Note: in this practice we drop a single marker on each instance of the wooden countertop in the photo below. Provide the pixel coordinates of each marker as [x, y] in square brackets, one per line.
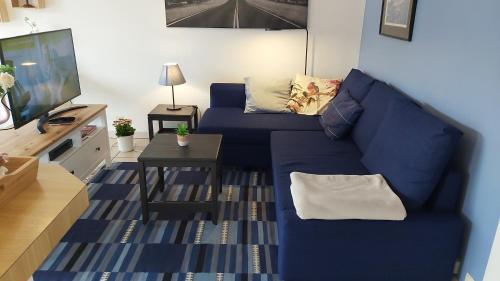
[33, 223]
[25, 141]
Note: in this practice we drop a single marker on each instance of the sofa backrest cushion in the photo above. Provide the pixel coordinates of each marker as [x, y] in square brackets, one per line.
[375, 107]
[227, 95]
[446, 196]
[411, 149]
[358, 84]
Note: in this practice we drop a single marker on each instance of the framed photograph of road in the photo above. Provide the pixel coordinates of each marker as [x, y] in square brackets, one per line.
[28, 3]
[397, 19]
[266, 14]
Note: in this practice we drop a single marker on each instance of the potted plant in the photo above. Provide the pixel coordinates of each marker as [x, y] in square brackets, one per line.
[125, 134]
[7, 81]
[182, 134]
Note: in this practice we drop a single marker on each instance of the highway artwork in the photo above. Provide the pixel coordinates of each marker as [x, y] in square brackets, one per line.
[266, 14]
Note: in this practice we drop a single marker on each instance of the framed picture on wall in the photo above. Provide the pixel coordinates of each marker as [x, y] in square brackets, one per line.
[397, 18]
[265, 14]
[28, 3]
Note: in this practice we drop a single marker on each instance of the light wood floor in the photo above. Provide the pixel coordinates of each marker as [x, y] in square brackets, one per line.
[117, 156]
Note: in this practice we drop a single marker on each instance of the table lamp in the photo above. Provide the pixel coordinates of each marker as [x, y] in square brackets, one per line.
[171, 75]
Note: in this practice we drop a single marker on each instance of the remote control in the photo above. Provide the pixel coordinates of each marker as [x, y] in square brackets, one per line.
[61, 120]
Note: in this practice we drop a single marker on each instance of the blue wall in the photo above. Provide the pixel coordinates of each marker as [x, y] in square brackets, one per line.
[452, 67]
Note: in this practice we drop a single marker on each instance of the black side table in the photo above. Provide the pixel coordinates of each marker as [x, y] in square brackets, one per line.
[187, 113]
[163, 151]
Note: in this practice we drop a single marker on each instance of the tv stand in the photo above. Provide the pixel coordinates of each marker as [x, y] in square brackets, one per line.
[46, 117]
[86, 154]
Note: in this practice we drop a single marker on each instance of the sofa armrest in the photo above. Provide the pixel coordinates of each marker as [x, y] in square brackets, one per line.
[227, 95]
[423, 247]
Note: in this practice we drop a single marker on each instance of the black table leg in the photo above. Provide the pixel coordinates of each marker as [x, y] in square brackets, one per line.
[215, 193]
[219, 167]
[196, 118]
[150, 129]
[144, 193]
[190, 125]
[161, 178]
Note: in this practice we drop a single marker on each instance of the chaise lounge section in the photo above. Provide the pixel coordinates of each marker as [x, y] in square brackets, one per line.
[247, 137]
[424, 246]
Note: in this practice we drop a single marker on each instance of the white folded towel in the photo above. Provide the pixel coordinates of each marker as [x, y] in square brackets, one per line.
[340, 197]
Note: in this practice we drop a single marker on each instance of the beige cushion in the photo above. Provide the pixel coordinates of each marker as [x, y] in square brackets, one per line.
[267, 95]
[311, 95]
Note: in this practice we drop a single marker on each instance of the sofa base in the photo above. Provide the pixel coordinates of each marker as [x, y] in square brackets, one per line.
[246, 156]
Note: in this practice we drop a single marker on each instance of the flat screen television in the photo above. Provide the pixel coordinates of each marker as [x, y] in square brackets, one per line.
[45, 70]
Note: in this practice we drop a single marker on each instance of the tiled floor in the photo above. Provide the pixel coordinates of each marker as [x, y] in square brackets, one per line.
[117, 156]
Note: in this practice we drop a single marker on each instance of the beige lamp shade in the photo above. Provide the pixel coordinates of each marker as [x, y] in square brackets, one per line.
[171, 75]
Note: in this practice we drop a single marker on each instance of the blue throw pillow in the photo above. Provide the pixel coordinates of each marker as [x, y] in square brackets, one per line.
[411, 149]
[341, 115]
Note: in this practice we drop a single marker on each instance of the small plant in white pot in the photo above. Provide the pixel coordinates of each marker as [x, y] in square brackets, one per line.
[124, 134]
[182, 134]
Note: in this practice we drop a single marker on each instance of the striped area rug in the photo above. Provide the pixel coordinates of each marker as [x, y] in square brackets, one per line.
[109, 242]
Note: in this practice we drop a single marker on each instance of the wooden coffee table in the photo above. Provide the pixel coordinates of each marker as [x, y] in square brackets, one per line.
[163, 151]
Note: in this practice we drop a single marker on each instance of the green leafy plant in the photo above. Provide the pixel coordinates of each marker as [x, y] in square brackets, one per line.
[123, 127]
[182, 130]
[7, 69]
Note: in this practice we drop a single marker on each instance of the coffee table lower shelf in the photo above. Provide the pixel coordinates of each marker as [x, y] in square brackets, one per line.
[163, 151]
[177, 209]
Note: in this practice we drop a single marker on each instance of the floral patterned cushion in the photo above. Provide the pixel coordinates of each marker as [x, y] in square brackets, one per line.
[311, 95]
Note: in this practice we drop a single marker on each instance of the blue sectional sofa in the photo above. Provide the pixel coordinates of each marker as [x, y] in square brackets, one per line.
[424, 246]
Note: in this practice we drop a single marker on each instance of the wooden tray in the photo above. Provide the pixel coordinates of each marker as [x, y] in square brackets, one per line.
[22, 173]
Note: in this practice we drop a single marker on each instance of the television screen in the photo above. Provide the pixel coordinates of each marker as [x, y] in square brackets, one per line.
[45, 71]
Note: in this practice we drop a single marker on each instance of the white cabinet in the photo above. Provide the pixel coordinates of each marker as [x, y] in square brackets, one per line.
[86, 154]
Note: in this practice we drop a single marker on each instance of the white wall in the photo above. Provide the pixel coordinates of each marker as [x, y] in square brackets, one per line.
[493, 269]
[121, 46]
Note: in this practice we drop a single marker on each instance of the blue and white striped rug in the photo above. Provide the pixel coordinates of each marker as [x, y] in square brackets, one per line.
[109, 242]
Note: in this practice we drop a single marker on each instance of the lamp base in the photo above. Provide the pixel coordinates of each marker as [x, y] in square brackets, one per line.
[169, 108]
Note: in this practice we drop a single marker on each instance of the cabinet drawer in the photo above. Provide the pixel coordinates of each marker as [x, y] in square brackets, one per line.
[93, 151]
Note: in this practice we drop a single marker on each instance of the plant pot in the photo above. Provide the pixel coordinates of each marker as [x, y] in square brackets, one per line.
[183, 140]
[4, 111]
[126, 144]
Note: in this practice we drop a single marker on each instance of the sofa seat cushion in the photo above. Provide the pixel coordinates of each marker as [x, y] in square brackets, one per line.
[411, 149]
[310, 152]
[385, 250]
[240, 128]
